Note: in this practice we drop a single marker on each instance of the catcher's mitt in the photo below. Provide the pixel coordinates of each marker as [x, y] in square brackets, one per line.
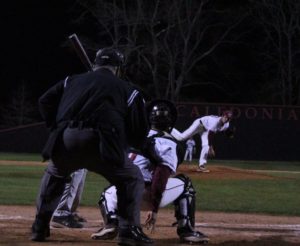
[211, 152]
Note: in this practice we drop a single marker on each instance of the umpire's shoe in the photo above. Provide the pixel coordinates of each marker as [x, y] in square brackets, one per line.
[107, 232]
[187, 235]
[65, 221]
[40, 231]
[133, 236]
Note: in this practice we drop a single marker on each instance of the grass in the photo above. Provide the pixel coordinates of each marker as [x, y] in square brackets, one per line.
[249, 196]
[93, 187]
[19, 185]
[20, 156]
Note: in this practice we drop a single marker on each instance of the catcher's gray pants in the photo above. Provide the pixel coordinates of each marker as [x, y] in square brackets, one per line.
[80, 149]
[71, 197]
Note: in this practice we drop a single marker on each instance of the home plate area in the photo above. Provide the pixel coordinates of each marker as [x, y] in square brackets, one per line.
[222, 228]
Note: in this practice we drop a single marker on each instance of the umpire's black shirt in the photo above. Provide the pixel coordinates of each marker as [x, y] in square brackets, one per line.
[98, 100]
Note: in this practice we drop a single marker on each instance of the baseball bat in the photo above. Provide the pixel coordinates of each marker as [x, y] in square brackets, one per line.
[80, 51]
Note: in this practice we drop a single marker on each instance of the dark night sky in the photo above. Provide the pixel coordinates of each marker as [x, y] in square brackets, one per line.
[32, 50]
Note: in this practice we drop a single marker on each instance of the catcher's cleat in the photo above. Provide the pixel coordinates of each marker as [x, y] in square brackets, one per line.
[193, 237]
[202, 169]
[105, 233]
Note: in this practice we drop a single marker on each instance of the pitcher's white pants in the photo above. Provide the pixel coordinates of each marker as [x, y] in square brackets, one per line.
[204, 149]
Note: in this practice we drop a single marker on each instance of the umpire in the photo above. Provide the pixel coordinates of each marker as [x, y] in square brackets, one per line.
[94, 117]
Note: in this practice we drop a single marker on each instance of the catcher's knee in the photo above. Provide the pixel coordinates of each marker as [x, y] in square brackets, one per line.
[185, 203]
[188, 186]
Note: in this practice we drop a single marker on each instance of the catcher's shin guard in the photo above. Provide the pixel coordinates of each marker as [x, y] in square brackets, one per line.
[185, 214]
[185, 203]
[110, 229]
[109, 216]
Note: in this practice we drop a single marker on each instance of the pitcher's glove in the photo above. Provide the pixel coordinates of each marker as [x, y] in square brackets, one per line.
[230, 132]
[211, 152]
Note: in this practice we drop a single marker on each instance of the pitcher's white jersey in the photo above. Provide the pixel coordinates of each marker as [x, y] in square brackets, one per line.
[213, 123]
[200, 125]
[165, 148]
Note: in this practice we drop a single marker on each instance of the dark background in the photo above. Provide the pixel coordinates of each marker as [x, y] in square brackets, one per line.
[35, 53]
[33, 48]
[267, 133]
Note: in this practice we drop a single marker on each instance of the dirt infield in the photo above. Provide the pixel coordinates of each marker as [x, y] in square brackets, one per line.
[222, 172]
[222, 228]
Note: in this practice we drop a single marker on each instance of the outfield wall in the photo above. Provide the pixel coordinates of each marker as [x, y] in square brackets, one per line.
[263, 132]
[24, 139]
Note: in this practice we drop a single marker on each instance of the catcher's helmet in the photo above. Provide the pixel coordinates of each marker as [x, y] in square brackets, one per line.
[109, 57]
[162, 114]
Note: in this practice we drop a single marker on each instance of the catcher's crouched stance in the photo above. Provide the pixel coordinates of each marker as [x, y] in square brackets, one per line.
[163, 156]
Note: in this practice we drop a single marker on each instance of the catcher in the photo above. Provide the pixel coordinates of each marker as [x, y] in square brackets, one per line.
[163, 156]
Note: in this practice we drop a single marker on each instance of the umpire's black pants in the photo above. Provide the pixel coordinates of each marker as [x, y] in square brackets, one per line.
[79, 148]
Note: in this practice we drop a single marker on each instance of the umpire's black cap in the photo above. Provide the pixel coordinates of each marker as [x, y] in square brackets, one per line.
[109, 57]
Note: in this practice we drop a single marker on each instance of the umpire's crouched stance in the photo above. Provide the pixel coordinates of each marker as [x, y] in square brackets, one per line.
[91, 116]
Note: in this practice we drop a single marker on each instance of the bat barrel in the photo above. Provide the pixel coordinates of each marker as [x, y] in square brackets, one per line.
[81, 51]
